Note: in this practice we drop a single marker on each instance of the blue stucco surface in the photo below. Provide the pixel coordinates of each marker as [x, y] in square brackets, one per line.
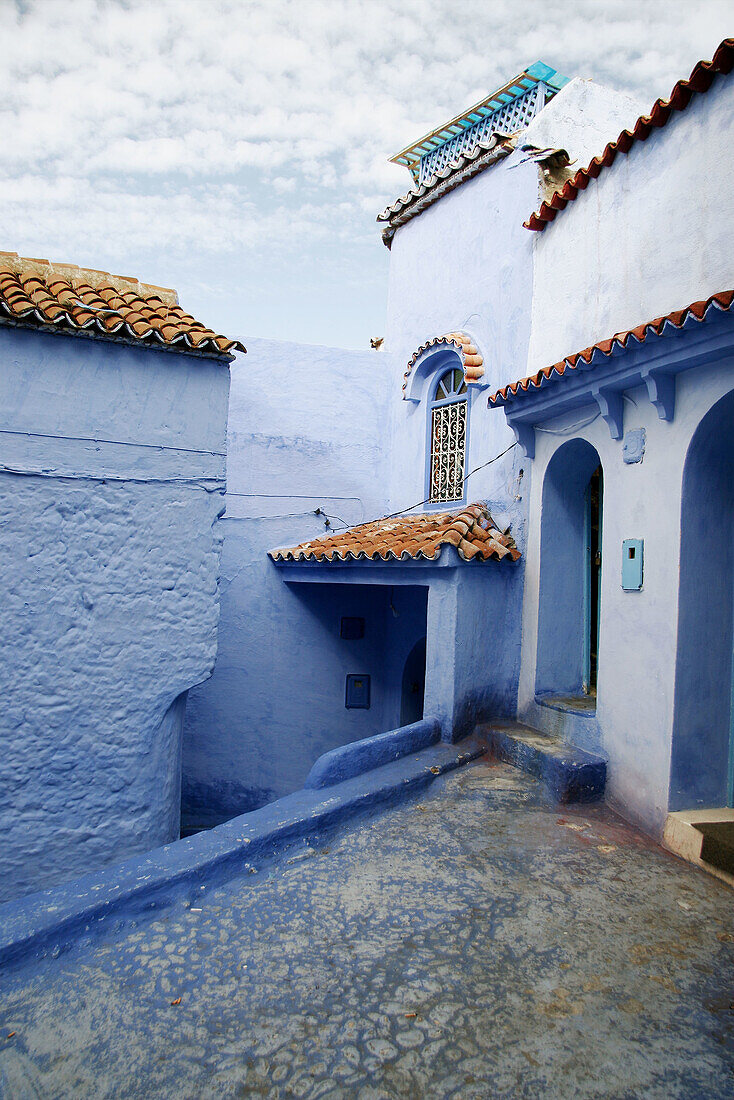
[304, 433]
[569, 774]
[702, 734]
[350, 760]
[111, 478]
[51, 920]
[314, 428]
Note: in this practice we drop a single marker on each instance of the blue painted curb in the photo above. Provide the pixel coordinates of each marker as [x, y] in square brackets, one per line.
[49, 921]
[570, 774]
[372, 752]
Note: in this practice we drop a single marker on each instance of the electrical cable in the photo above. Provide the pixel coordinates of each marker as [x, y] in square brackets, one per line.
[571, 428]
[217, 485]
[281, 515]
[410, 508]
[112, 442]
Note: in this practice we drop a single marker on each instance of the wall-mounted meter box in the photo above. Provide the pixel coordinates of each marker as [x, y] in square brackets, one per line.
[632, 557]
[358, 692]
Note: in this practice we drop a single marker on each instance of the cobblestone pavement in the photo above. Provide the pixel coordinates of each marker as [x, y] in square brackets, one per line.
[480, 943]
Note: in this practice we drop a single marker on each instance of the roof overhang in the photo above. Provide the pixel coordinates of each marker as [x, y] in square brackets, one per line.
[411, 155]
[396, 571]
[653, 360]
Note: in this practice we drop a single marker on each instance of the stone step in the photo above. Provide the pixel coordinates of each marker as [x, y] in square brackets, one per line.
[570, 774]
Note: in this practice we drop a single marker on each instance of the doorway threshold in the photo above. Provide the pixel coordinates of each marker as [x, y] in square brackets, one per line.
[703, 837]
[570, 704]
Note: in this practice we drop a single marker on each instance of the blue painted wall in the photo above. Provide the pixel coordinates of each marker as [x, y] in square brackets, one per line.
[111, 478]
[702, 729]
[664, 678]
[314, 427]
[307, 430]
[560, 667]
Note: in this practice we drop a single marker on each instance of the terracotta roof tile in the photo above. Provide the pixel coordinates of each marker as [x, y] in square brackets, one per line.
[471, 530]
[63, 297]
[699, 82]
[677, 318]
[483, 154]
[471, 358]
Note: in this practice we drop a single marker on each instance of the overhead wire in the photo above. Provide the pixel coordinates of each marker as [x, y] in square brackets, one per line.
[427, 500]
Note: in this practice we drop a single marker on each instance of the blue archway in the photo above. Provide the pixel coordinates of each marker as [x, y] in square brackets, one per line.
[700, 759]
[564, 614]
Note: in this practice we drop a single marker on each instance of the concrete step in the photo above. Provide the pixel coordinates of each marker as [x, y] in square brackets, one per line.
[704, 837]
[570, 774]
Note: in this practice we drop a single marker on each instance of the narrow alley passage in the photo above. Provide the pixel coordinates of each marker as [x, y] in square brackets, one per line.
[479, 943]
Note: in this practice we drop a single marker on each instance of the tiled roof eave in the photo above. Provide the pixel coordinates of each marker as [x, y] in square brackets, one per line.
[92, 330]
[407, 539]
[65, 298]
[699, 82]
[415, 201]
[472, 360]
[564, 381]
[351, 558]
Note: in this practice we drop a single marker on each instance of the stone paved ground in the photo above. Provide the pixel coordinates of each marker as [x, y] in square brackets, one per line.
[477, 944]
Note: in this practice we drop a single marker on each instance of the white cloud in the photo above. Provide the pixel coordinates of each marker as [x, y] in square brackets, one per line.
[218, 127]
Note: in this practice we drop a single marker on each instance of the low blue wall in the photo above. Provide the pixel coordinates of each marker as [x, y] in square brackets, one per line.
[50, 921]
[372, 752]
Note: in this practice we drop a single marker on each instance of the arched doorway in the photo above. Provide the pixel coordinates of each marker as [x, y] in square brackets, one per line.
[414, 685]
[570, 573]
[702, 758]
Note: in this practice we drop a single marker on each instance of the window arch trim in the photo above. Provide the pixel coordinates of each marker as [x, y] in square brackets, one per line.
[438, 352]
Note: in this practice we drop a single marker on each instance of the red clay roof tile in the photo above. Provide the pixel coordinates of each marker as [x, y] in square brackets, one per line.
[471, 359]
[677, 318]
[471, 530]
[699, 82]
[73, 299]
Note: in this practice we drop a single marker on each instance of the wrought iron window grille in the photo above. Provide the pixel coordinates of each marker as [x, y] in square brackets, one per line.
[449, 413]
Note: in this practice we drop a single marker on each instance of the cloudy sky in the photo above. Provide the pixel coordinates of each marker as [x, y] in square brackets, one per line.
[237, 149]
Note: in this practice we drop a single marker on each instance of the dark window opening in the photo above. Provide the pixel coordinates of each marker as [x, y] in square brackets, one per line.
[594, 496]
[352, 628]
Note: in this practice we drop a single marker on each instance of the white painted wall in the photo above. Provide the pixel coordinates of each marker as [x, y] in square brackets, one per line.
[112, 467]
[466, 263]
[638, 630]
[463, 264]
[652, 234]
[582, 118]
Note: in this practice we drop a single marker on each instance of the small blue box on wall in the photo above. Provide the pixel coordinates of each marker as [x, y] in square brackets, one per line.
[358, 692]
[632, 560]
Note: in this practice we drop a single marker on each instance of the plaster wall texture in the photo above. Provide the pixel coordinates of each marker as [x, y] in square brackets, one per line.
[308, 429]
[649, 236]
[110, 487]
[638, 641]
[466, 264]
[582, 118]
[473, 656]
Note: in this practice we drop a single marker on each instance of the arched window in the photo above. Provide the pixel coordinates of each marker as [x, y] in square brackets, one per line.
[448, 437]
